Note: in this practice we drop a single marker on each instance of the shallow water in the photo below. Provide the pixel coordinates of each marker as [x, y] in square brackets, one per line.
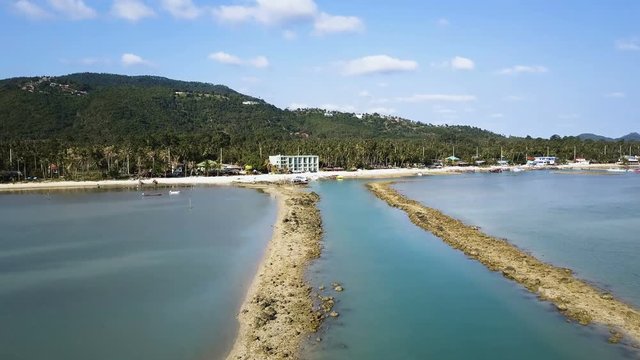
[588, 223]
[409, 296]
[112, 275]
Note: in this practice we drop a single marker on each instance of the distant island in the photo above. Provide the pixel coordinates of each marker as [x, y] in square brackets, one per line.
[101, 126]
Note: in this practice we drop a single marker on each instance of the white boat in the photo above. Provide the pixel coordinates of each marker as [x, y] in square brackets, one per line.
[174, 192]
[616, 170]
[299, 179]
[518, 169]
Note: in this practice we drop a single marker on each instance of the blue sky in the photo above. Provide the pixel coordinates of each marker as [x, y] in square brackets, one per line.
[514, 67]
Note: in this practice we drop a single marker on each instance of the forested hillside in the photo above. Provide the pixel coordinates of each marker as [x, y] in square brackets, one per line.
[114, 125]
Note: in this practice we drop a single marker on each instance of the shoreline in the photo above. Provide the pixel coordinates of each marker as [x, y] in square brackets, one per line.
[574, 298]
[277, 313]
[277, 178]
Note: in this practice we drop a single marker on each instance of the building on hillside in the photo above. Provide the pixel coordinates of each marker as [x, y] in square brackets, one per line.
[542, 160]
[630, 159]
[295, 163]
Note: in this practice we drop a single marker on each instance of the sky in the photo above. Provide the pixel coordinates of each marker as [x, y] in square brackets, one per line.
[538, 67]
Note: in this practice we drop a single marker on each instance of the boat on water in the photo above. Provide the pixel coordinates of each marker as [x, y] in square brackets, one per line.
[616, 170]
[518, 169]
[495, 171]
[151, 194]
[339, 177]
[174, 192]
[300, 180]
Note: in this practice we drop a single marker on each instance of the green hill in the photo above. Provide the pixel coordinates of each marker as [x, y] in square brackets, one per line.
[106, 108]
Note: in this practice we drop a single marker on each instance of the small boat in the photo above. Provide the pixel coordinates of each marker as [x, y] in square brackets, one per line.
[299, 180]
[339, 177]
[174, 192]
[151, 194]
[495, 171]
[616, 170]
[419, 174]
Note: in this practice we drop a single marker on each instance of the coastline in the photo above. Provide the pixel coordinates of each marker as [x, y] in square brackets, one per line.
[277, 313]
[574, 298]
[277, 178]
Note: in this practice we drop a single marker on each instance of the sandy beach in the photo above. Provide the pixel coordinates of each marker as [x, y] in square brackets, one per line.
[279, 178]
[278, 314]
[576, 299]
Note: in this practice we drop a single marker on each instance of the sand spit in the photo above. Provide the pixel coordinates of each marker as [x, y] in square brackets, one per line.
[277, 314]
[576, 299]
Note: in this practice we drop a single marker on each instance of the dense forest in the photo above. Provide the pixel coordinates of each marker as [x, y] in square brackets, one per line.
[93, 126]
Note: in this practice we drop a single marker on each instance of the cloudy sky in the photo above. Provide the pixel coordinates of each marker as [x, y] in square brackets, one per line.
[514, 67]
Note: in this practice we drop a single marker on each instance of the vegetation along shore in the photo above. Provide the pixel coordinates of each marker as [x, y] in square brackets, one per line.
[576, 299]
[278, 312]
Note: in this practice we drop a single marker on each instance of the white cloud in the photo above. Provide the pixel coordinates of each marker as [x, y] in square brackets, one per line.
[329, 24]
[31, 10]
[518, 69]
[461, 63]
[225, 58]
[268, 12]
[378, 64]
[279, 12]
[381, 110]
[442, 22]
[437, 98]
[259, 62]
[496, 116]
[182, 9]
[632, 44]
[132, 10]
[616, 94]
[75, 9]
[129, 59]
[364, 93]
[289, 34]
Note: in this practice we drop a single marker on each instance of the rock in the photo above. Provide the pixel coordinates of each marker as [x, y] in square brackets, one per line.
[607, 296]
[334, 314]
[562, 307]
[338, 288]
[615, 337]
[321, 287]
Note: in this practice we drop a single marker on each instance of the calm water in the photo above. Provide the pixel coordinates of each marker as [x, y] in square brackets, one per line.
[112, 275]
[409, 296]
[589, 223]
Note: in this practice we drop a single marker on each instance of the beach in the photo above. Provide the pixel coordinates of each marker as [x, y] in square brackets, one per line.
[279, 178]
[576, 299]
[278, 314]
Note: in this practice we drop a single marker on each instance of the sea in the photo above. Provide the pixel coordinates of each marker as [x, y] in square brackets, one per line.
[114, 275]
[408, 295]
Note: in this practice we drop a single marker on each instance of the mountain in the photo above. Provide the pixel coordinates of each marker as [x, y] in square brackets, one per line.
[589, 136]
[634, 136]
[108, 108]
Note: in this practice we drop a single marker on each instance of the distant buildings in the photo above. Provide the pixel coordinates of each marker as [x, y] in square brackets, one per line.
[542, 160]
[630, 159]
[295, 163]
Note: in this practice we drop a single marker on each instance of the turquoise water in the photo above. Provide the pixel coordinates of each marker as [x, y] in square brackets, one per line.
[588, 223]
[409, 296]
[112, 275]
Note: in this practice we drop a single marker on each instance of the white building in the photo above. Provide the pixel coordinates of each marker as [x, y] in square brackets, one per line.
[542, 160]
[296, 163]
